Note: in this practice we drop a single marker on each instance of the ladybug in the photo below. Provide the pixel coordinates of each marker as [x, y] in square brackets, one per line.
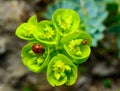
[38, 49]
[84, 41]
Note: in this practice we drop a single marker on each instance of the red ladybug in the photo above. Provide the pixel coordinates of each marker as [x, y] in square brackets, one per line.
[84, 41]
[38, 49]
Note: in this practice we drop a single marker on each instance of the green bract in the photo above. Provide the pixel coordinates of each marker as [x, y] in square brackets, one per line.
[46, 32]
[65, 21]
[25, 30]
[35, 62]
[73, 45]
[57, 46]
[79, 34]
[61, 71]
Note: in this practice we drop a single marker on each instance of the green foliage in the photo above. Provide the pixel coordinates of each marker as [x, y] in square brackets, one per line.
[107, 83]
[65, 43]
[82, 69]
[114, 22]
[116, 30]
[92, 13]
[27, 88]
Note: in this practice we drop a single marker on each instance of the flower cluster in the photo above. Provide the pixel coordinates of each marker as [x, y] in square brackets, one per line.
[57, 46]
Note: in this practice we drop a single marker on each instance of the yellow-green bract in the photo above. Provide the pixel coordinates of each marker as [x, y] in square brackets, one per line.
[25, 30]
[46, 32]
[66, 46]
[66, 21]
[61, 71]
[75, 48]
[35, 62]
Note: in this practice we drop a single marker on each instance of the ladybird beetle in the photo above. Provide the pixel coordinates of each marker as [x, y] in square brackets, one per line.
[84, 41]
[38, 49]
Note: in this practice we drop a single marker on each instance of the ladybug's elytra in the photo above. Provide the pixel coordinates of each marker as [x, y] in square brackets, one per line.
[84, 41]
[38, 49]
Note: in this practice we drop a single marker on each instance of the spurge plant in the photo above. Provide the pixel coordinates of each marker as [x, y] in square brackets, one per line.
[57, 46]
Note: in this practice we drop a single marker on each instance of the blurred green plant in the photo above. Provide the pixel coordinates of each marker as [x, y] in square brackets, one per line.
[27, 88]
[107, 83]
[83, 69]
[92, 13]
[116, 30]
[57, 46]
[113, 21]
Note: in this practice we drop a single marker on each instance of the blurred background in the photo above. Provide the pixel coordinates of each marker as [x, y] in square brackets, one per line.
[101, 19]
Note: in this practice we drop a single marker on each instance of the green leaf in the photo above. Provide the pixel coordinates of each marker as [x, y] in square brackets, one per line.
[63, 66]
[75, 46]
[25, 30]
[46, 33]
[65, 21]
[33, 20]
[34, 62]
[107, 83]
